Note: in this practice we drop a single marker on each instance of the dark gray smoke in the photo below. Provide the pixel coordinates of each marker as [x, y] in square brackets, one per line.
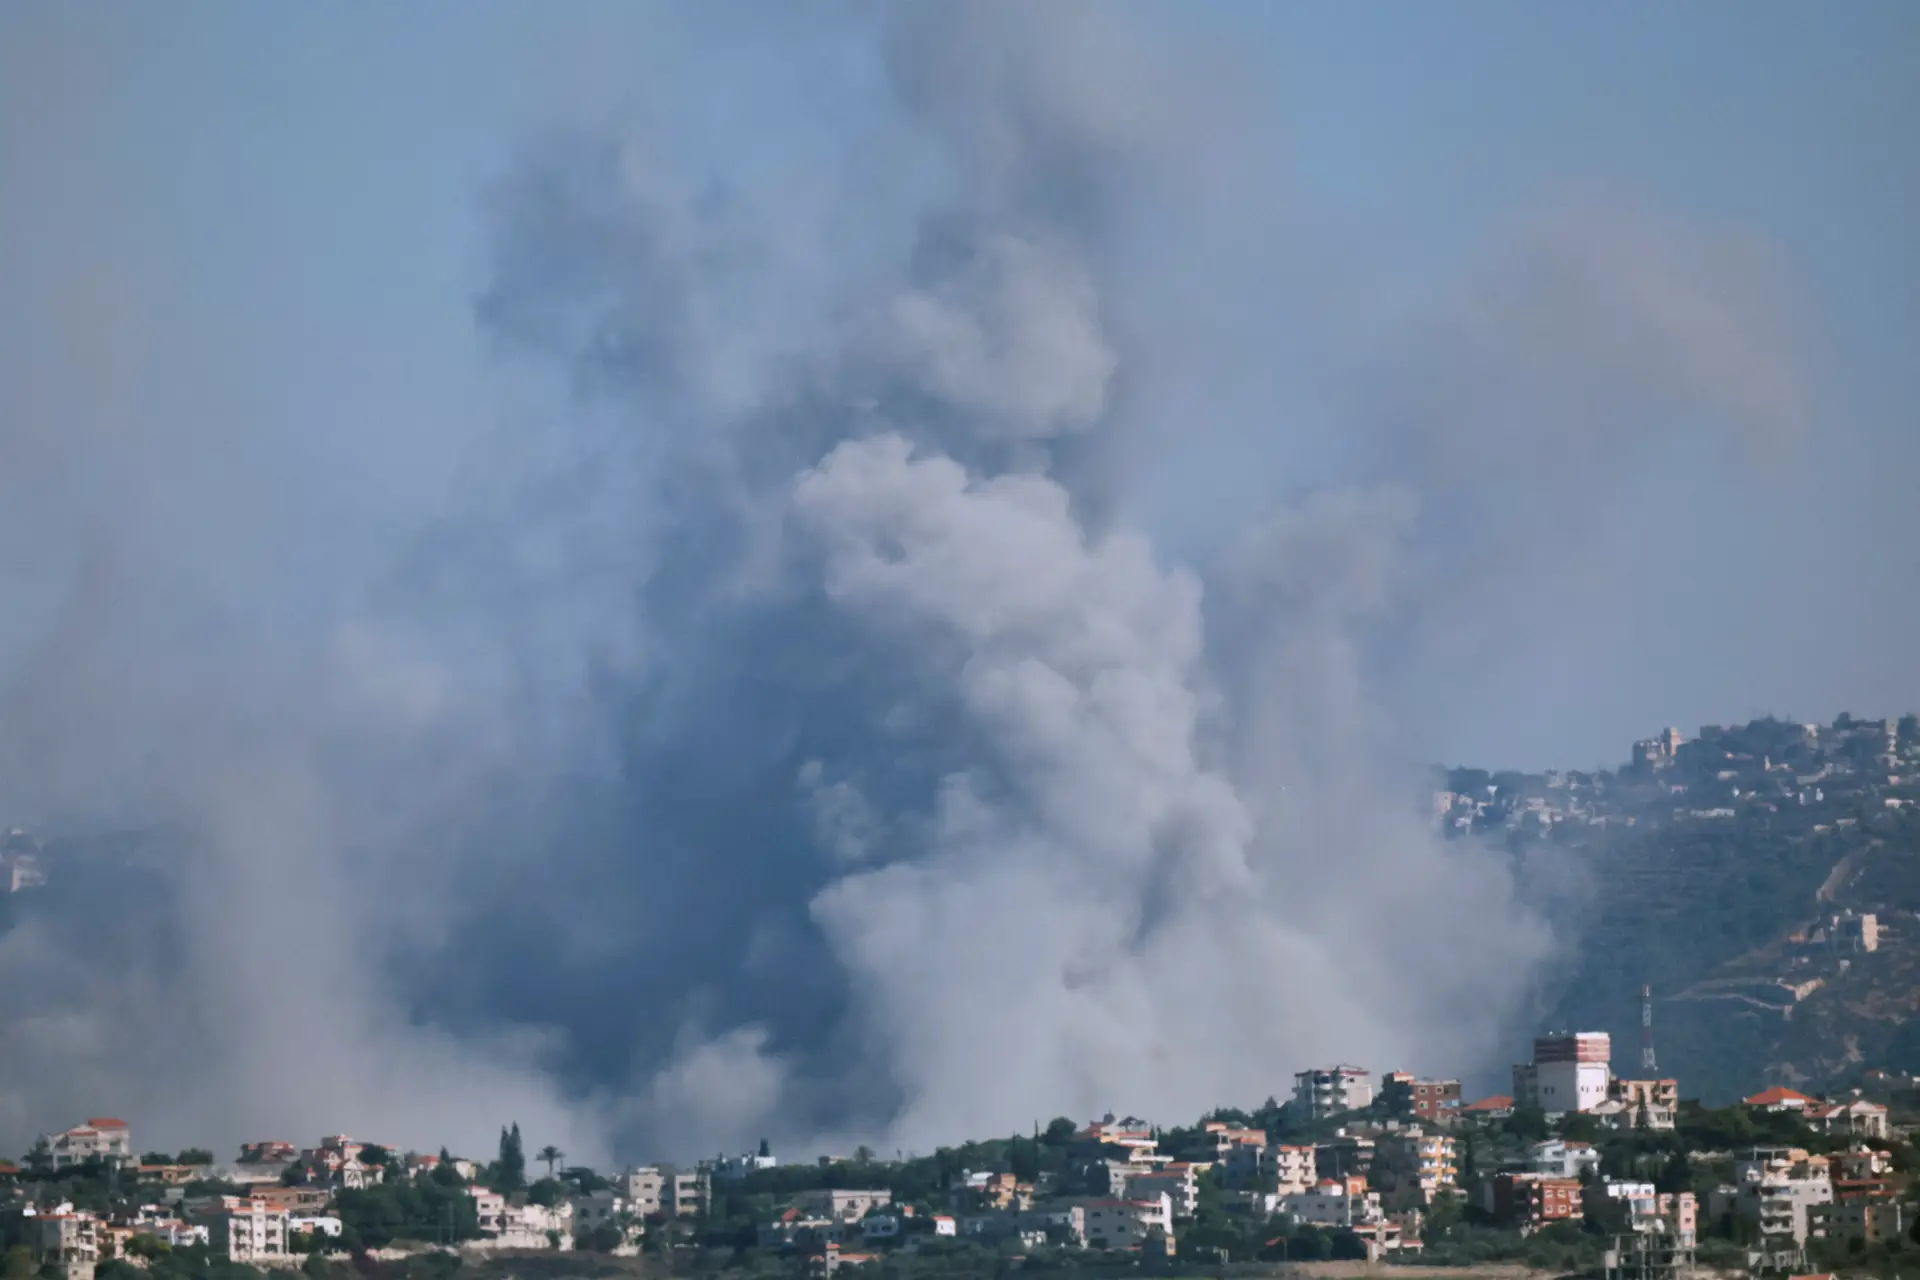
[789, 728]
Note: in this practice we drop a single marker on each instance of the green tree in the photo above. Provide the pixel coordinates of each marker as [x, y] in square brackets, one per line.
[1527, 1123]
[1059, 1132]
[1676, 1175]
[445, 1174]
[20, 1264]
[765, 1150]
[196, 1155]
[551, 1156]
[510, 1169]
[374, 1155]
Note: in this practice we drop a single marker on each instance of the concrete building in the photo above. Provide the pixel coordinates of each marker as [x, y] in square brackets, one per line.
[1294, 1168]
[1329, 1091]
[491, 1207]
[1870, 1220]
[1652, 1212]
[248, 1231]
[1778, 1190]
[1179, 1182]
[100, 1138]
[842, 1206]
[1415, 1162]
[1569, 1072]
[65, 1238]
[1857, 933]
[1434, 1101]
[1562, 1158]
[663, 1189]
[1334, 1202]
[1129, 1223]
[1531, 1200]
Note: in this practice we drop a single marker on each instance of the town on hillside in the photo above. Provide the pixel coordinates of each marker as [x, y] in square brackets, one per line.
[1832, 772]
[1578, 1170]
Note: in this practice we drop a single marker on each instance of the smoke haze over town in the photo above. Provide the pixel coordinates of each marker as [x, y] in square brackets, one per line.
[866, 574]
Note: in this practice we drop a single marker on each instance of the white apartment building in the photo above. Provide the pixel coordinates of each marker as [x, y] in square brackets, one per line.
[1562, 1158]
[1328, 1091]
[491, 1207]
[1334, 1203]
[1570, 1071]
[100, 1138]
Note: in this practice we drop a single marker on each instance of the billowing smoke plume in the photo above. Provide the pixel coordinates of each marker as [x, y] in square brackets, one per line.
[791, 729]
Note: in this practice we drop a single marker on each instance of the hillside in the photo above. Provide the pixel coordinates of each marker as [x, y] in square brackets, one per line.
[1732, 873]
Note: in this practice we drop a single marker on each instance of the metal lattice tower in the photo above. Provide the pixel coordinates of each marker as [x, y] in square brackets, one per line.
[1647, 1062]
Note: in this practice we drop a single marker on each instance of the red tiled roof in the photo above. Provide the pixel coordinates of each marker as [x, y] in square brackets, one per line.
[1775, 1096]
[105, 1122]
[1498, 1102]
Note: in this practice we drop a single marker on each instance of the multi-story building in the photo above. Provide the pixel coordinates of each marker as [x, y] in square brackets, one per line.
[1869, 1219]
[1654, 1212]
[682, 1193]
[65, 1238]
[1562, 1158]
[1569, 1072]
[1328, 1091]
[1334, 1202]
[490, 1207]
[1345, 1155]
[1778, 1189]
[1220, 1139]
[1294, 1168]
[689, 1193]
[1179, 1182]
[100, 1138]
[1129, 1223]
[248, 1231]
[1531, 1200]
[1435, 1101]
[1413, 1161]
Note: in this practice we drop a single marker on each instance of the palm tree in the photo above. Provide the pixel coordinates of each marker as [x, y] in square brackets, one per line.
[551, 1155]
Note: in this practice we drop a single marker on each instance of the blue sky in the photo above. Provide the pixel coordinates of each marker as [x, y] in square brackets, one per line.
[276, 207]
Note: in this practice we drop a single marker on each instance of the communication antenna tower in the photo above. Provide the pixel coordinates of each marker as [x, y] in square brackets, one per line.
[1647, 1062]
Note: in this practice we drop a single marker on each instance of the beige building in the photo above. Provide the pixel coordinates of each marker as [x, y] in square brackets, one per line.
[842, 1206]
[66, 1239]
[248, 1232]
